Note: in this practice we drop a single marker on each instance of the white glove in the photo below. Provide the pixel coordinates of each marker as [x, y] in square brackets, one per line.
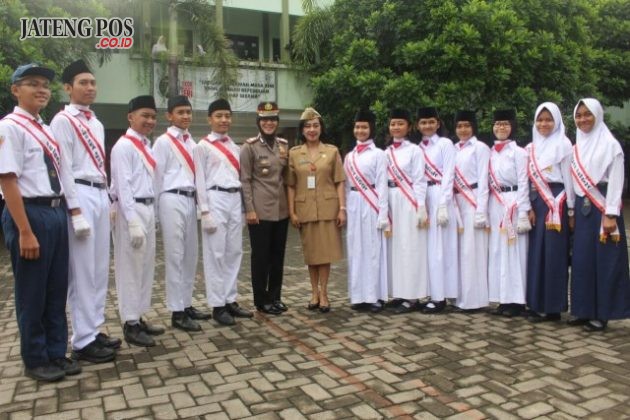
[207, 223]
[523, 225]
[481, 222]
[382, 225]
[442, 216]
[136, 233]
[421, 216]
[80, 226]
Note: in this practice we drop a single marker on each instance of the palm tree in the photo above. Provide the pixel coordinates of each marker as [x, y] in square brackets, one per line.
[310, 33]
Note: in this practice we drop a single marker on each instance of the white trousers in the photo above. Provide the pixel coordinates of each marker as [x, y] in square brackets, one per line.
[473, 260]
[134, 267]
[223, 249]
[442, 247]
[178, 222]
[88, 268]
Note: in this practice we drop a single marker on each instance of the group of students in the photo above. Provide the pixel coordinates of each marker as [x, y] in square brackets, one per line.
[474, 224]
[60, 211]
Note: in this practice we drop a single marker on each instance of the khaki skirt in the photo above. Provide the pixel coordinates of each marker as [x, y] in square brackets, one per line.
[321, 242]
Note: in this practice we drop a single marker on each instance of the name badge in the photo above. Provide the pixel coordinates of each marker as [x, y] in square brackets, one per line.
[310, 182]
[586, 206]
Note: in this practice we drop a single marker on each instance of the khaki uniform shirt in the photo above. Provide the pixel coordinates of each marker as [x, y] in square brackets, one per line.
[321, 202]
[263, 173]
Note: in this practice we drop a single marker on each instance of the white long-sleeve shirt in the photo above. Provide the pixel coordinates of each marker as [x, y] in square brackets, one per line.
[510, 169]
[441, 152]
[170, 172]
[472, 161]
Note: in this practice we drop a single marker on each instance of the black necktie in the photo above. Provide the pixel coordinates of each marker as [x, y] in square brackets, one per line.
[52, 174]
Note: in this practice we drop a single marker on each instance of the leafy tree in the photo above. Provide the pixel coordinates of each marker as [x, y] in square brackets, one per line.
[461, 54]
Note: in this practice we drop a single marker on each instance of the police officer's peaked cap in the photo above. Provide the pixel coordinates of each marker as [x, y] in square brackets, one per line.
[73, 69]
[219, 105]
[144, 101]
[268, 110]
[32, 69]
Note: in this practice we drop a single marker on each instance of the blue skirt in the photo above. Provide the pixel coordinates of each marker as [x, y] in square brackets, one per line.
[600, 282]
[548, 260]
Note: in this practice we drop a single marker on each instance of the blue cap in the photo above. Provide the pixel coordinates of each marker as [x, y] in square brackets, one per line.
[32, 69]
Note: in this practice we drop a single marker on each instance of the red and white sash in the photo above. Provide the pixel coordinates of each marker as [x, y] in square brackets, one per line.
[144, 154]
[431, 170]
[362, 185]
[463, 187]
[586, 184]
[506, 223]
[182, 155]
[45, 140]
[223, 153]
[400, 178]
[553, 220]
[90, 142]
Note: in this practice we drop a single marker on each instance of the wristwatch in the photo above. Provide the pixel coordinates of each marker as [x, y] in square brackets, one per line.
[571, 212]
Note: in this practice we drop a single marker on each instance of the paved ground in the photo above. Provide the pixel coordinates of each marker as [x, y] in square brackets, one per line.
[330, 366]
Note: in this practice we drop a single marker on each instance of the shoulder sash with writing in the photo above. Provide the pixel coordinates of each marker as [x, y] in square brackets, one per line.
[144, 154]
[362, 185]
[506, 223]
[431, 170]
[223, 153]
[89, 141]
[586, 184]
[462, 186]
[553, 220]
[182, 155]
[399, 177]
[45, 140]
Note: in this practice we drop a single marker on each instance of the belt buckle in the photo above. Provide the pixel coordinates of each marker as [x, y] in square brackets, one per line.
[55, 202]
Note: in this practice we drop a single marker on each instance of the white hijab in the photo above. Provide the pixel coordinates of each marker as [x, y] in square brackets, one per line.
[599, 147]
[556, 146]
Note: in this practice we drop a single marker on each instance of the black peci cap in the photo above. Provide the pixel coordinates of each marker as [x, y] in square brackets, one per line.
[219, 105]
[73, 69]
[175, 101]
[143, 101]
[427, 112]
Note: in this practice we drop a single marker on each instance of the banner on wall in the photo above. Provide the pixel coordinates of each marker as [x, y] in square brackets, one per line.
[253, 86]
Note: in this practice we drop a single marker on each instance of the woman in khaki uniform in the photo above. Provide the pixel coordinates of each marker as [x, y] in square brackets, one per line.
[317, 203]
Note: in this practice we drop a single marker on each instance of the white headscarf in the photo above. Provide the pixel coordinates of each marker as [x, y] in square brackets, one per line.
[556, 146]
[598, 147]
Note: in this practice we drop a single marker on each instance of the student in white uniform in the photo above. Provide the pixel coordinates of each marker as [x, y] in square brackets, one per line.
[439, 156]
[34, 221]
[217, 169]
[407, 245]
[471, 198]
[133, 178]
[366, 201]
[509, 224]
[177, 209]
[82, 139]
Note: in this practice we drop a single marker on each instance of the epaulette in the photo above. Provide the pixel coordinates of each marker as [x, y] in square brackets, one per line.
[296, 147]
[281, 140]
[251, 140]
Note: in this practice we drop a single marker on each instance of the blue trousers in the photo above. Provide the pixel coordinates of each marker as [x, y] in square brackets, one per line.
[41, 285]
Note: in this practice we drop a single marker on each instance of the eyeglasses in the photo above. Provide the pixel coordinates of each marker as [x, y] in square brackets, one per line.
[34, 84]
[502, 124]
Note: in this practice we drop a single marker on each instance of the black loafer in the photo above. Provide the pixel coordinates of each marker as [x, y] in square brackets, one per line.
[47, 373]
[69, 366]
[536, 318]
[360, 307]
[513, 310]
[499, 310]
[237, 311]
[324, 309]
[194, 313]
[404, 307]
[223, 316]
[182, 321]
[94, 353]
[595, 325]
[376, 307]
[150, 329]
[106, 341]
[576, 322]
[433, 307]
[136, 335]
[280, 305]
[269, 309]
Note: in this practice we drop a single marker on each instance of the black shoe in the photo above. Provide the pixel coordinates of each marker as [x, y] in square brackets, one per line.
[595, 325]
[499, 310]
[269, 309]
[376, 307]
[433, 307]
[106, 341]
[576, 322]
[194, 313]
[280, 305]
[536, 318]
[360, 307]
[136, 335]
[237, 311]
[182, 321]
[223, 316]
[150, 329]
[404, 307]
[47, 373]
[95, 353]
[69, 366]
[514, 309]
[324, 309]
[312, 306]
[394, 303]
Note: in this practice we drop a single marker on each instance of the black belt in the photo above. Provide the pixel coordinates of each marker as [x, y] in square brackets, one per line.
[187, 193]
[357, 189]
[472, 187]
[602, 185]
[44, 201]
[227, 190]
[508, 189]
[555, 184]
[432, 183]
[99, 185]
[391, 184]
[146, 201]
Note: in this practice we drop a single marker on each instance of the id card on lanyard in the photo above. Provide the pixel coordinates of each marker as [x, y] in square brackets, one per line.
[310, 179]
